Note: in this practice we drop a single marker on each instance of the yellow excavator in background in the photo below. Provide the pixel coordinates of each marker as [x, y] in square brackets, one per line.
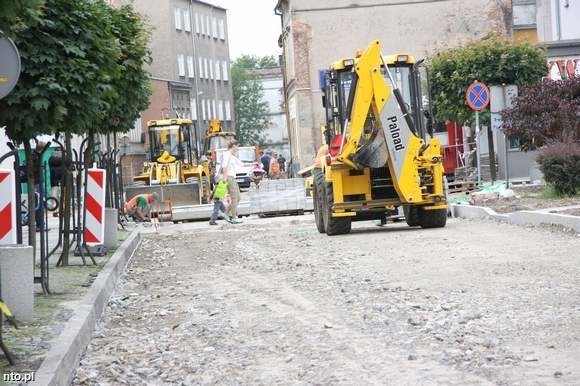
[378, 156]
[216, 138]
[175, 170]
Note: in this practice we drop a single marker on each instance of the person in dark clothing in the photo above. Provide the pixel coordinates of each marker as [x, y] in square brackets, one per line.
[56, 166]
[282, 162]
[265, 159]
[38, 168]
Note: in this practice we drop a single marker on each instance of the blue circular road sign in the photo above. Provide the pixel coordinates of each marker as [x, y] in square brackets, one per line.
[477, 96]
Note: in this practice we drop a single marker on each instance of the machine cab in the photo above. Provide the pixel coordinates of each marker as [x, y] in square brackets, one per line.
[170, 140]
[410, 77]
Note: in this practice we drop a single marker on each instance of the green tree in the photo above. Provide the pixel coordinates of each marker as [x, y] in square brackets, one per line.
[81, 67]
[251, 111]
[131, 85]
[15, 14]
[494, 61]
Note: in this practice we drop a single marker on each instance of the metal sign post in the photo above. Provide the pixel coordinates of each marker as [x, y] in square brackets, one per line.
[477, 97]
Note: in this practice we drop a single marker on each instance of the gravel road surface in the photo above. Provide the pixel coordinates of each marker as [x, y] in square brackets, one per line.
[273, 302]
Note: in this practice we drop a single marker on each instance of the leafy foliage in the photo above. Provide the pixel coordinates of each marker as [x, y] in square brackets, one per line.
[545, 112]
[131, 84]
[68, 61]
[493, 61]
[560, 163]
[15, 14]
[250, 109]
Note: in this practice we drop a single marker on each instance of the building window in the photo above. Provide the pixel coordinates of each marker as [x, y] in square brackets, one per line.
[222, 30]
[218, 75]
[214, 31]
[193, 109]
[225, 69]
[210, 69]
[213, 109]
[200, 67]
[524, 12]
[186, 21]
[178, 18]
[207, 26]
[180, 65]
[197, 23]
[205, 70]
[220, 110]
[514, 143]
[203, 116]
[190, 66]
[202, 22]
[228, 111]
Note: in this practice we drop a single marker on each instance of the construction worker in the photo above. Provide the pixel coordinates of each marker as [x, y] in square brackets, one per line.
[139, 207]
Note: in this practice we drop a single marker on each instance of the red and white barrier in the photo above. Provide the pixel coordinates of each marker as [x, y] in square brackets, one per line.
[95, 207]
[7, 207]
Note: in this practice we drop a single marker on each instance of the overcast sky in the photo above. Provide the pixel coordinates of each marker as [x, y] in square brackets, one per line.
[253, 27]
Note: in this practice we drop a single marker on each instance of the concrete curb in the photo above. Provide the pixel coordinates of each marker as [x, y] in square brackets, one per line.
[65, 351]
[525, 217]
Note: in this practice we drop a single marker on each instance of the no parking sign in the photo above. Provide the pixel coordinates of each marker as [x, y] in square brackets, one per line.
[477, 96]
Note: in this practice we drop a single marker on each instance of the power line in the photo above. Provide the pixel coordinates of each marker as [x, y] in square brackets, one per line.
[355, 6]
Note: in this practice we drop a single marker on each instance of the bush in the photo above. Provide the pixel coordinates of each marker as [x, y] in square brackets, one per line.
[560, 163]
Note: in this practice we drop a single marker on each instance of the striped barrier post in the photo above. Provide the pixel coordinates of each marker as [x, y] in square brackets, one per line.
[7, 207]
[94, 231]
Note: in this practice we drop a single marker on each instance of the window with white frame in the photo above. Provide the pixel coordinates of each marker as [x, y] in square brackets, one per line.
[178, 18]
[228, 111]
[225, 71]
[214, 31]
[186, 21]
[200, 67]
[209, 110]
[205, 70]
[197, 23]
[222, 30]
[203, 116]
[210, 68]
[193, 108]
[220, 111]
[202, 22]
[190, 66]
[180, 65]
[213, 109]
[207, 26]
[218, 75]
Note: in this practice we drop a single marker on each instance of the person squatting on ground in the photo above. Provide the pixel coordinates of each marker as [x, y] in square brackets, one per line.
[230, 164]
[218, 195]
[139, 207]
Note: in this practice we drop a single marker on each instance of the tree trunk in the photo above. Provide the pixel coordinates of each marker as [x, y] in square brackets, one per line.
[66, 200]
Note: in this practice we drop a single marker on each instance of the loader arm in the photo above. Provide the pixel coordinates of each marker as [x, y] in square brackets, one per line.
[379, 129]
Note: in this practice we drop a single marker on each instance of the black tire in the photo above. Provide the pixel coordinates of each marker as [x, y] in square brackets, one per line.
[436, 218]
[411, 215]
[317, 199]
[333, 225]
[51, 204]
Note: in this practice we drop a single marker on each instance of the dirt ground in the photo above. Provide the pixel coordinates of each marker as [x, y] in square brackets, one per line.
[530, 198]
[273, 302]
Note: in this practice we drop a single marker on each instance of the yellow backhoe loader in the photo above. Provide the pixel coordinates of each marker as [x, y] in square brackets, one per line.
[175, 169]
[379, 156]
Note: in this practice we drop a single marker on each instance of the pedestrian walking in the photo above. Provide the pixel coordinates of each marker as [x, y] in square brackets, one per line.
[230, 163]
[265, 159]
[56, 166]
[282, 162]
[38, 185]
[218, 196]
